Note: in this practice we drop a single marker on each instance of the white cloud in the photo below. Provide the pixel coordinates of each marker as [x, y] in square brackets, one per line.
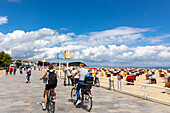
[63, 29]
[3, 20]
[14, 0]
[159, 38]
[106, 48]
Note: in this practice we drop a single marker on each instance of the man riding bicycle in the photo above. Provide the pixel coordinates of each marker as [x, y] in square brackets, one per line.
[82, 72]
[50, 84]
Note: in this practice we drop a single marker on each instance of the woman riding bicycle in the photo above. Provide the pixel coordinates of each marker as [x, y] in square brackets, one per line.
[48, 86]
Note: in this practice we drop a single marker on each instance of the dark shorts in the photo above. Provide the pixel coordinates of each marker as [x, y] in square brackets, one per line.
[76, 80]
[48, 87]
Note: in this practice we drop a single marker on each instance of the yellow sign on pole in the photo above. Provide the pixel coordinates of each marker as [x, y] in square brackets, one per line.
[43, 60]
[67, 54]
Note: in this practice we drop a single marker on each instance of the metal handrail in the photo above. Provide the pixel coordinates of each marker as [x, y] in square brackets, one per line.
[145, 88]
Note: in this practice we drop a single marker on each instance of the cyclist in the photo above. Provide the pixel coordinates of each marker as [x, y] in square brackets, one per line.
[82, 72]
[48, 86]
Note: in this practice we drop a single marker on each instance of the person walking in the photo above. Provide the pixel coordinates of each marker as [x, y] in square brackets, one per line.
[7, 70]
[28, 74]
[15, 69]
[10, 70]
[68, 75]
[76, 78]
[20, 69]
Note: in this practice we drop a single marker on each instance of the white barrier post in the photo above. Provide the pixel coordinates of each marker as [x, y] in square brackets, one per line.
[125, 86]
[59, 69]
[145, 91]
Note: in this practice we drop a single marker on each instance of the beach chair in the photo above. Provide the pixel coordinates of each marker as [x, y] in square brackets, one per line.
[167, 84]
[169, 79]
[130, 79]
[147, 78]
[153, 81]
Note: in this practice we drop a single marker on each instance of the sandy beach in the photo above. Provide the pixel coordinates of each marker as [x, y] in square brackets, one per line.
[138, 89]
[2, 72]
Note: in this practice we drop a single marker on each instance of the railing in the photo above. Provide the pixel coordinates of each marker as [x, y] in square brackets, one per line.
[145, 91]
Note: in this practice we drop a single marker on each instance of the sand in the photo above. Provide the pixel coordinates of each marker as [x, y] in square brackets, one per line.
[2, 72]
[157, 93]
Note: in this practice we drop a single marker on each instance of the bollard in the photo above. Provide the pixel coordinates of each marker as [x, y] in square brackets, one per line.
[111, 83]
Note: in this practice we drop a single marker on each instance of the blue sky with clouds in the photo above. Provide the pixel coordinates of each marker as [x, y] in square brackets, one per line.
[118, 32]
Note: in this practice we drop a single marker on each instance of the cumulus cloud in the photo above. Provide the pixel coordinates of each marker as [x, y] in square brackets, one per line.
[113, 47]
[3, 20]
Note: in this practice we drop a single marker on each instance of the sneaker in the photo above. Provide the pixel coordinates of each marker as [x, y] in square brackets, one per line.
[43, 108]
[42, 104]
[78, 102]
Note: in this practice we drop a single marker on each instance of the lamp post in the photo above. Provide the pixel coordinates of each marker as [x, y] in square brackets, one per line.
[43, 60]
[60, 56]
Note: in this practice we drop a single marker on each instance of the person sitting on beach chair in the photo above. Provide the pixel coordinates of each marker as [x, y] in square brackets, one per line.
[167, 78]
[162, 74]
[153, 79]
[149, 75]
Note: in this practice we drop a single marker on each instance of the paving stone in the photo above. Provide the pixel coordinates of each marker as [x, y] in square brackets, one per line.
[18, 97]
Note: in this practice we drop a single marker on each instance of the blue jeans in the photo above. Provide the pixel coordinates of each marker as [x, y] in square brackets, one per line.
[28, 77]
[80, 83]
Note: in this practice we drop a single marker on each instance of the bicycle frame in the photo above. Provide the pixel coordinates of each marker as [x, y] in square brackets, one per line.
[85, 89]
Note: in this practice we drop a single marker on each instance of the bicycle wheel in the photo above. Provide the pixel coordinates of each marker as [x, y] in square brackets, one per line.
[51, 107]
[87, 102]
[97, 83]
[73, 95]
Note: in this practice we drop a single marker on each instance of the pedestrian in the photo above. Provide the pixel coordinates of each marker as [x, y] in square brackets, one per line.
[7, 70]
[15, 69]
[10, 70]
[67, 72]
[28, 74]
[76, 78]
[20, 69]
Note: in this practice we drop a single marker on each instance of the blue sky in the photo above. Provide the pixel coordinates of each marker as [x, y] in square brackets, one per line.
[86, 17]
[83, 16]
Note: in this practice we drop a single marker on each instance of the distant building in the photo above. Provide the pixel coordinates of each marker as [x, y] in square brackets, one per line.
[76, 64]
[15, 61]
[26, 63]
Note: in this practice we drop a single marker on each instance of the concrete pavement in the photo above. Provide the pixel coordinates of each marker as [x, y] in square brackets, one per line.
[18, 97]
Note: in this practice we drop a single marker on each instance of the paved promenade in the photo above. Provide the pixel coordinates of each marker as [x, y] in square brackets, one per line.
[18, 97]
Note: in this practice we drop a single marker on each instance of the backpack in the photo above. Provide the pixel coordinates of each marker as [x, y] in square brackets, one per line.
[29, 72]
[52, 78]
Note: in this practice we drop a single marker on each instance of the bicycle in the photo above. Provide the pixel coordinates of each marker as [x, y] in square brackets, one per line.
[73, 91]
[97, 82]
[86, 96]
[50, 99]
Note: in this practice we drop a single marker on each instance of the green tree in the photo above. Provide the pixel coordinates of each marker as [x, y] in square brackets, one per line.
[5, 59]
[18, 64]
[40, 63]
